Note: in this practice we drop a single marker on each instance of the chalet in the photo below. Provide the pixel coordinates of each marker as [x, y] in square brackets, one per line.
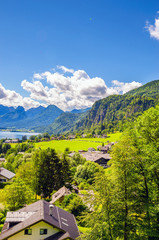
[98, 157]
[75, 189]
[40, 220]
[59, 195]
[99, 147]
[83, 135]
[6, 175]
[71, 154]
[91, 149]
[54, 138]
[2, 160]
[8, 141]
[12, 141]
[105, 148]
[104, 136]
[71, 137]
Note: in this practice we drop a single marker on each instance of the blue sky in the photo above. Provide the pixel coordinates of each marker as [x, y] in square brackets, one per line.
[106, 40]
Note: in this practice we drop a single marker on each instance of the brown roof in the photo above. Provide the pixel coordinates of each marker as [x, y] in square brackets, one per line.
[94, 156]
[60, 219]
[6, 173]
[60, 193]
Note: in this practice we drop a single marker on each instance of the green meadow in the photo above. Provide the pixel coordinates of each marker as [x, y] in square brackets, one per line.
[77, 144]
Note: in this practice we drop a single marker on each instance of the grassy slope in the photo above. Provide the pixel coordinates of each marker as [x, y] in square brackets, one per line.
[77, 144]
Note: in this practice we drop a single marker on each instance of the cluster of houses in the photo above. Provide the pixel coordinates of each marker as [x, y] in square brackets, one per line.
[101, 156]
[12, 140]
[43, 220]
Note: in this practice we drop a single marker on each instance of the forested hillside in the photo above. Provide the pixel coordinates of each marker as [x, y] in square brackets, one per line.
[150, 89]
[111, 113]
[63, 123]
[126, 205]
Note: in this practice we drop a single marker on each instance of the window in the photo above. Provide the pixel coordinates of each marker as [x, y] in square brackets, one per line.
[3, 180]
[43, 231]
[28, 231]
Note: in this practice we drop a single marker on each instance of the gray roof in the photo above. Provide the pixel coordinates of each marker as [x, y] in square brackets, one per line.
[6, 173]
[91, 149]
[18, 216]
[105, 148]
[94, 156]
[39, 211]
[71, 154]
[60, 193]
[2, 159]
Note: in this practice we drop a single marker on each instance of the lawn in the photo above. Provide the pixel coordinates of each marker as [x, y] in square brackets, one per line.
[77, 144]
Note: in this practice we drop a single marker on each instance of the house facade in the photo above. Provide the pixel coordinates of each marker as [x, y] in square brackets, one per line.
[39, 221]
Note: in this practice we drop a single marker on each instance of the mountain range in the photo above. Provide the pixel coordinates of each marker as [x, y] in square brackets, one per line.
[108, 114]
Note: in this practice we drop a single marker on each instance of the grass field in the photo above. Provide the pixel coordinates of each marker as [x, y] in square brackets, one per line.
[77, 144]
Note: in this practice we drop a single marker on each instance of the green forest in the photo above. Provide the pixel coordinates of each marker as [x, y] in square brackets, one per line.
[120, 202]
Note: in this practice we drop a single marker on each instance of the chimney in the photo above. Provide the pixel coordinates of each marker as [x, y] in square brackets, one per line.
[51, 207]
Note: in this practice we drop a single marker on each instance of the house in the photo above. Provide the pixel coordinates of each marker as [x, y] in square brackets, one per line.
[104, 136]
[98, 157]
[2, 160]
[105, 148]
[84, 135]
[8, 141]
[59, 195]
[6, 175]
[71, 137]
[91, 149]
[99, 147]
[39, 221]
[71, 154]
[54, 138]
[15, 140]
[12, 141]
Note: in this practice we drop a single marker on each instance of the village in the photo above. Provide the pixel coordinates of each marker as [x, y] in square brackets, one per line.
[16, 223]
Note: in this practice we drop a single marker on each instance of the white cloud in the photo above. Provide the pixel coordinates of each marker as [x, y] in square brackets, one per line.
[11, 98]
[122, 87]
[153, 29]
[77, 90]
[65, 69]
[37, 76]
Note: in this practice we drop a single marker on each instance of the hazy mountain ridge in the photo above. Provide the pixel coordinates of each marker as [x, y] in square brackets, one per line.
[19, 118]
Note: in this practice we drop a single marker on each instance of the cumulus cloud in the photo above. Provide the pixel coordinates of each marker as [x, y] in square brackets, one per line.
[76, 90]
[122, 88]
[67, 89]
[11, 98]
[153, 29]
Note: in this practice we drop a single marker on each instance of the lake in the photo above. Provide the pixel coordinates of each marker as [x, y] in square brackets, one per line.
[15, 134]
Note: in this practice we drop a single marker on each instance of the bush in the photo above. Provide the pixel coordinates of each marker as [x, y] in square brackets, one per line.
[84, 186]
